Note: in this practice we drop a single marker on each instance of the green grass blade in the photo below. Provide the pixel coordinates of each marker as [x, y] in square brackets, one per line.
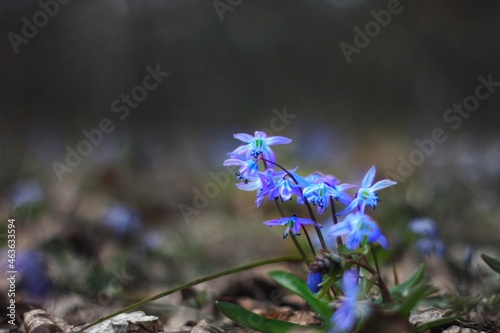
[435, 323]
[493, 263]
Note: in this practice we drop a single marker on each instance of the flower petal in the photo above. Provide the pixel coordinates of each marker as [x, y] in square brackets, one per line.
[339, 229]
[351, 206]
[244, 137]
[277, 140]
[370, 175]
[382, 184]
[275, 222]
[232, 161]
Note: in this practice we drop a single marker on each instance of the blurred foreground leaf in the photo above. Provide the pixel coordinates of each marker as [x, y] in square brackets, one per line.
[492, 263]
[257, 322]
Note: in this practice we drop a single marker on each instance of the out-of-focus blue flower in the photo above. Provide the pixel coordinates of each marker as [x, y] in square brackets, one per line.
[366, 195]
[358, 226]
[429, 246]
[248, 168]
[430, 242]
[313, 281]
[292, 223]
[34, 280]
[319, 194]
[344, 318]
[122, 219]
[153, 239]
[424, 227]
[27, 192]
[257, 145]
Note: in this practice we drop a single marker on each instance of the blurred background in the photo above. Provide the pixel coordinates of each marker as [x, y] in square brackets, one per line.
[161, 86]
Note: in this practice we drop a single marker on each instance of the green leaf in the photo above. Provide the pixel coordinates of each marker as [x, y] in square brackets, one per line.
[493, 263]
[413, 297]
[435, 323]
[295, 285]
[413, 280]
[257, 322]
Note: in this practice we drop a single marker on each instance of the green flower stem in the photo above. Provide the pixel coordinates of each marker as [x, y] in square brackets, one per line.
[375, 259]
[193, 283]
[335, 221]
[297, 245]
[386, 294]
[308, 240]
[313, 217]
[395, 274]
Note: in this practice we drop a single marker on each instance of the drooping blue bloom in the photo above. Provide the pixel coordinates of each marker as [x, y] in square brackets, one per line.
[358, 226]
[366, 195]
[319, 194]
[274, 184]
[257, 145]
[313, 281]
[284, 189]
[344, 318]
[248, 168]
[292, 223]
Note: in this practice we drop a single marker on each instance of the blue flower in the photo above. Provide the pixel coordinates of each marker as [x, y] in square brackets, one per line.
[248, 168]
[313, 281]
[33, 274]
[293, 224]
[358, 227]
[257, 145]
[319, 194]
[344, 318]
[284, 188]
[366, 195]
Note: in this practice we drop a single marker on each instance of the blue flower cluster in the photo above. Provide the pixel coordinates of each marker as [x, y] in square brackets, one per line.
[317, 189]
[259, 171]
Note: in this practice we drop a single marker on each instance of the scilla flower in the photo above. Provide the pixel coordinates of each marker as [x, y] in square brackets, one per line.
[257, 145]
[319, 194]
[344, 318]
[248, 168]
[366, 195]
[358, 227]
[284, 188]
[292, 223]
